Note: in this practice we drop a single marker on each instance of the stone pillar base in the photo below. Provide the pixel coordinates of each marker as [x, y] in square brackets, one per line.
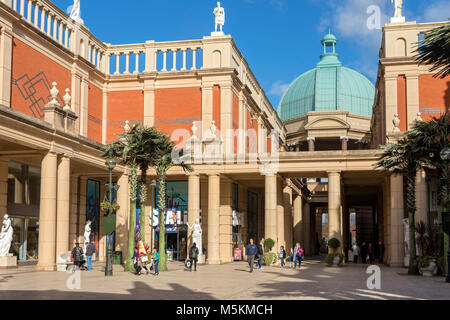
[213, 262]
[45, 268]
[201, 259]
[8, 262]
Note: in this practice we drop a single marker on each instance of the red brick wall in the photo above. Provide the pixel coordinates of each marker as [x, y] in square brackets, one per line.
[401, 102]
[32, 77]
[122, 106]
[95, 113]
[177, 108]
[434, 96]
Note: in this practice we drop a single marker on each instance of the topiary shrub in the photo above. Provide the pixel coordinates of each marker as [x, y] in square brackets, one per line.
[269, 258]
[330, 258]
[269, 244]
[334, 243]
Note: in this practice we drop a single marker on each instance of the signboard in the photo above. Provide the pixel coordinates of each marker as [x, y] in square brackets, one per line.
[237, 254]
[446, 222]
[109, 223]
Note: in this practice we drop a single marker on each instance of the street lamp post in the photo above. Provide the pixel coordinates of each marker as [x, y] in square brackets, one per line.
[445, 155]
[153, 186]
[110, 164]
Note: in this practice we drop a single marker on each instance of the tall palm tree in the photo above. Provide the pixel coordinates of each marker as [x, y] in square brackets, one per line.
[432, 137]
[401, 158]
[162, 161]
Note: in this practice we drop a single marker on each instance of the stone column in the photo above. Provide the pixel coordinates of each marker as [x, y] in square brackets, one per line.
[396, 225]
[311, 143]
[298, 219]
[271, 208]
[123, 213]
[5, 66]
[63, 206]
[288, 219]
[3, 187]
[193, 203]
[47, 213]
[412, 98]
[421, 198]
[344, 143]
[149, 102]
[213, 253]
[105, 116]
[280, 240]
[84, 100]
[390, 94]
[334, 206]
[226, 118]
[207, 107]
[226, 223]
[307, 228]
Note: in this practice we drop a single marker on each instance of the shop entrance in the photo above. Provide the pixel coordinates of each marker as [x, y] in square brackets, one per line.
[176, 245]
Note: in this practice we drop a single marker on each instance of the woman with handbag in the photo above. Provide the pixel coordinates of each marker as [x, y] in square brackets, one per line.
[142, 257]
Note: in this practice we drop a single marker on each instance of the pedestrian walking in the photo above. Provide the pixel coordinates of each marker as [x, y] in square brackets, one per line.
[282, 256]
[90, 250]
[260, 254]
[193, 256]
[356, 251]
[251, 251]
[77, 254]
[156, 261]
[298, 255]
[137, 268]
[291, 258]
[379, 252]
[364, 253]
[142, 257]
[370, 253]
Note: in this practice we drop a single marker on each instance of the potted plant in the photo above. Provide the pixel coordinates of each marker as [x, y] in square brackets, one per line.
[334, 258]
[426, 262]
[269, 258]
[105, 206]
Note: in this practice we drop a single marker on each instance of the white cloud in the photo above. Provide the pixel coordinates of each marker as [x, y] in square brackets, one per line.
[278, 88]
[438, 11]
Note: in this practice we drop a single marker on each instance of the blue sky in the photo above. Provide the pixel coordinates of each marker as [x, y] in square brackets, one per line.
[279, 38]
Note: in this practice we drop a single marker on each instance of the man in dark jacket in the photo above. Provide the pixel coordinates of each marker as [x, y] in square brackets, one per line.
[77, 254]
[90, 250]
[260, 254]
[251, 251]
[193, 256]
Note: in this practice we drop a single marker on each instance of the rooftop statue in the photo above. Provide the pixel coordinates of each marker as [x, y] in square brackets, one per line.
[76, 12]
[398, 14]
[219, 13]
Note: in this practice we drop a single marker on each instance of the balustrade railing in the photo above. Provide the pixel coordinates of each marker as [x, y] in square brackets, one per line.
[154, 57]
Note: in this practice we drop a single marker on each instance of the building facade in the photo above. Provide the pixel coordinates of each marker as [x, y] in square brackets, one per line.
[65, 94]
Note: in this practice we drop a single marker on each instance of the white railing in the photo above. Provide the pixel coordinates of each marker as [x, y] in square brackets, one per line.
[154, 57]
[49, 19]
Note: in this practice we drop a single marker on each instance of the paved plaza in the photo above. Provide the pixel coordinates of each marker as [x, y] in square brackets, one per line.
[225, 282]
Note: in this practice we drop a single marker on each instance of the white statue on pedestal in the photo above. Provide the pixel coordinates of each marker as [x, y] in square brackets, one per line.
[219, 13]
[76, 12]
[398, 14]
[6, 236]
[87, 234]
[197, 235]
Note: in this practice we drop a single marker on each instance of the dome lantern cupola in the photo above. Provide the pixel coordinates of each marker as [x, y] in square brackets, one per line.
[328, 87]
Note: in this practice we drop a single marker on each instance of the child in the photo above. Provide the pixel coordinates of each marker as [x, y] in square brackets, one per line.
[282, 256]
[291, 257]
[135, 261]
[156, 261]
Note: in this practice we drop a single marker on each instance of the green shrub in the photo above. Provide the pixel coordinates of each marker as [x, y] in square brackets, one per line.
[334, 243]
[269, 244]
[423, 262]
[269, 258]
[331, 256]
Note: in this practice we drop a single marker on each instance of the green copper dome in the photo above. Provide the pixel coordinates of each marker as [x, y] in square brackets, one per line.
[329, 86]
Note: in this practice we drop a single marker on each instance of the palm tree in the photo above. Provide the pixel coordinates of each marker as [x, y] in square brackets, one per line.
[401, 158]
[432, 137]
[162, 161]
[434, 49]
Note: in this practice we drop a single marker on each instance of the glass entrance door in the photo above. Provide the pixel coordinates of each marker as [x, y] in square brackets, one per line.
[172, 245]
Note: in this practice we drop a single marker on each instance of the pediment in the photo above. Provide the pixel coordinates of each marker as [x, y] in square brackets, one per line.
[327, 123]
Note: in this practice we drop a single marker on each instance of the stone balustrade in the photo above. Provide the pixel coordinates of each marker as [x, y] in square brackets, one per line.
[154, 56]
